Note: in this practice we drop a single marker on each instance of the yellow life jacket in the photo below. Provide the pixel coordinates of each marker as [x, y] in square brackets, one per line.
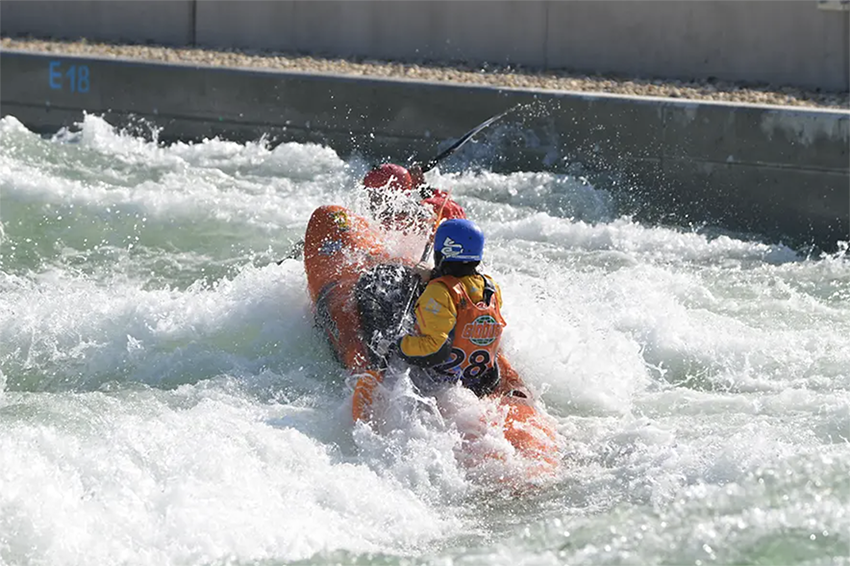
[457, 337]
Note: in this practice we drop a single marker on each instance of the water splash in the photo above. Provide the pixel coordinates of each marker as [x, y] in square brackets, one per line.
[165, 399]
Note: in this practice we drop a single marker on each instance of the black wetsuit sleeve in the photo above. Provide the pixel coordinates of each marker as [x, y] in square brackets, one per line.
[430, 360]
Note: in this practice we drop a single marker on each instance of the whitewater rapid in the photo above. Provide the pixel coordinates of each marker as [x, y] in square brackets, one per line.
[165, 398]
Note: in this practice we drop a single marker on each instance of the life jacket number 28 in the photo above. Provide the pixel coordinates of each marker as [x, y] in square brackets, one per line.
[459, 367]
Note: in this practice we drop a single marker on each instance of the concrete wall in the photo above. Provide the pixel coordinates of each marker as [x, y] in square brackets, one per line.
[503, 31]
[785, 42]
[167, 22]
[775, 171]
[780, 42]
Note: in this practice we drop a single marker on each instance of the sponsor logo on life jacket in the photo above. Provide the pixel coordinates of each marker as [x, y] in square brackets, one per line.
[482, 331]
[451, 248]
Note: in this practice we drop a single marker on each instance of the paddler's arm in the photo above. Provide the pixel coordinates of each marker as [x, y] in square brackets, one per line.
[440, 202]
[436, 199]
[435, 315]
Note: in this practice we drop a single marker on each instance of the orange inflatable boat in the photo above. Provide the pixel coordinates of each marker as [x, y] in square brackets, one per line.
[346, 261]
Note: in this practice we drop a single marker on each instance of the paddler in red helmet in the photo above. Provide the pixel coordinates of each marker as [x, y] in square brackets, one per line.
[402, 200]
[393, 188]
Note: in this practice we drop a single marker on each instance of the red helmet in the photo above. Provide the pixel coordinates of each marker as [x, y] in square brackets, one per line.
[389, 175]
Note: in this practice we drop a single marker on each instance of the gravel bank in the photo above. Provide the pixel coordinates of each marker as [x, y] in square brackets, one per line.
[444, 71]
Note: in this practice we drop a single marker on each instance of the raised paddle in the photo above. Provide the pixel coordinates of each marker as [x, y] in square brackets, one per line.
[431, 163]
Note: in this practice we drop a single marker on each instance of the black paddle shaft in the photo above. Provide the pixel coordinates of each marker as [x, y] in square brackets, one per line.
[465, 138]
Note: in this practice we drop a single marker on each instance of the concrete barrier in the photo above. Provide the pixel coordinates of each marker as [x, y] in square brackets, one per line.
[166, 22]
[781, 172]
[781, 42]
[787, 42]
[502, 31]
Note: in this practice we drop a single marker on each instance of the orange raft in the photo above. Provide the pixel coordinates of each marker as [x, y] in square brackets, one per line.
[339, 248]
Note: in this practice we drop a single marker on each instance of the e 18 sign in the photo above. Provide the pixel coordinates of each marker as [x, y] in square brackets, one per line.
[75, 77]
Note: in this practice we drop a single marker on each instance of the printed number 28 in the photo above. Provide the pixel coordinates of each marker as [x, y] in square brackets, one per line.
[75, 76]
[477, 365]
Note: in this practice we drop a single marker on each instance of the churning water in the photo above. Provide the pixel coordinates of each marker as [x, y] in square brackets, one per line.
[165, 398]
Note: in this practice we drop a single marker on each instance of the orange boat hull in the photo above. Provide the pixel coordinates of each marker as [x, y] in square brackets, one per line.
[338, 247]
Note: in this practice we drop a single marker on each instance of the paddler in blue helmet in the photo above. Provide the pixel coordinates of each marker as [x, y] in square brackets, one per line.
[458, 320]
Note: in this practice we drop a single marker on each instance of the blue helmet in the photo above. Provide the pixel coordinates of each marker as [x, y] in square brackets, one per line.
[459, 239]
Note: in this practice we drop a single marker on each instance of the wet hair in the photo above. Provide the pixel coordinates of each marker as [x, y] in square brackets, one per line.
[454, 268]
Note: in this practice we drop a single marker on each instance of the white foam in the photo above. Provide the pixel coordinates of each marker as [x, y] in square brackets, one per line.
[166, 399]
[197, 477]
